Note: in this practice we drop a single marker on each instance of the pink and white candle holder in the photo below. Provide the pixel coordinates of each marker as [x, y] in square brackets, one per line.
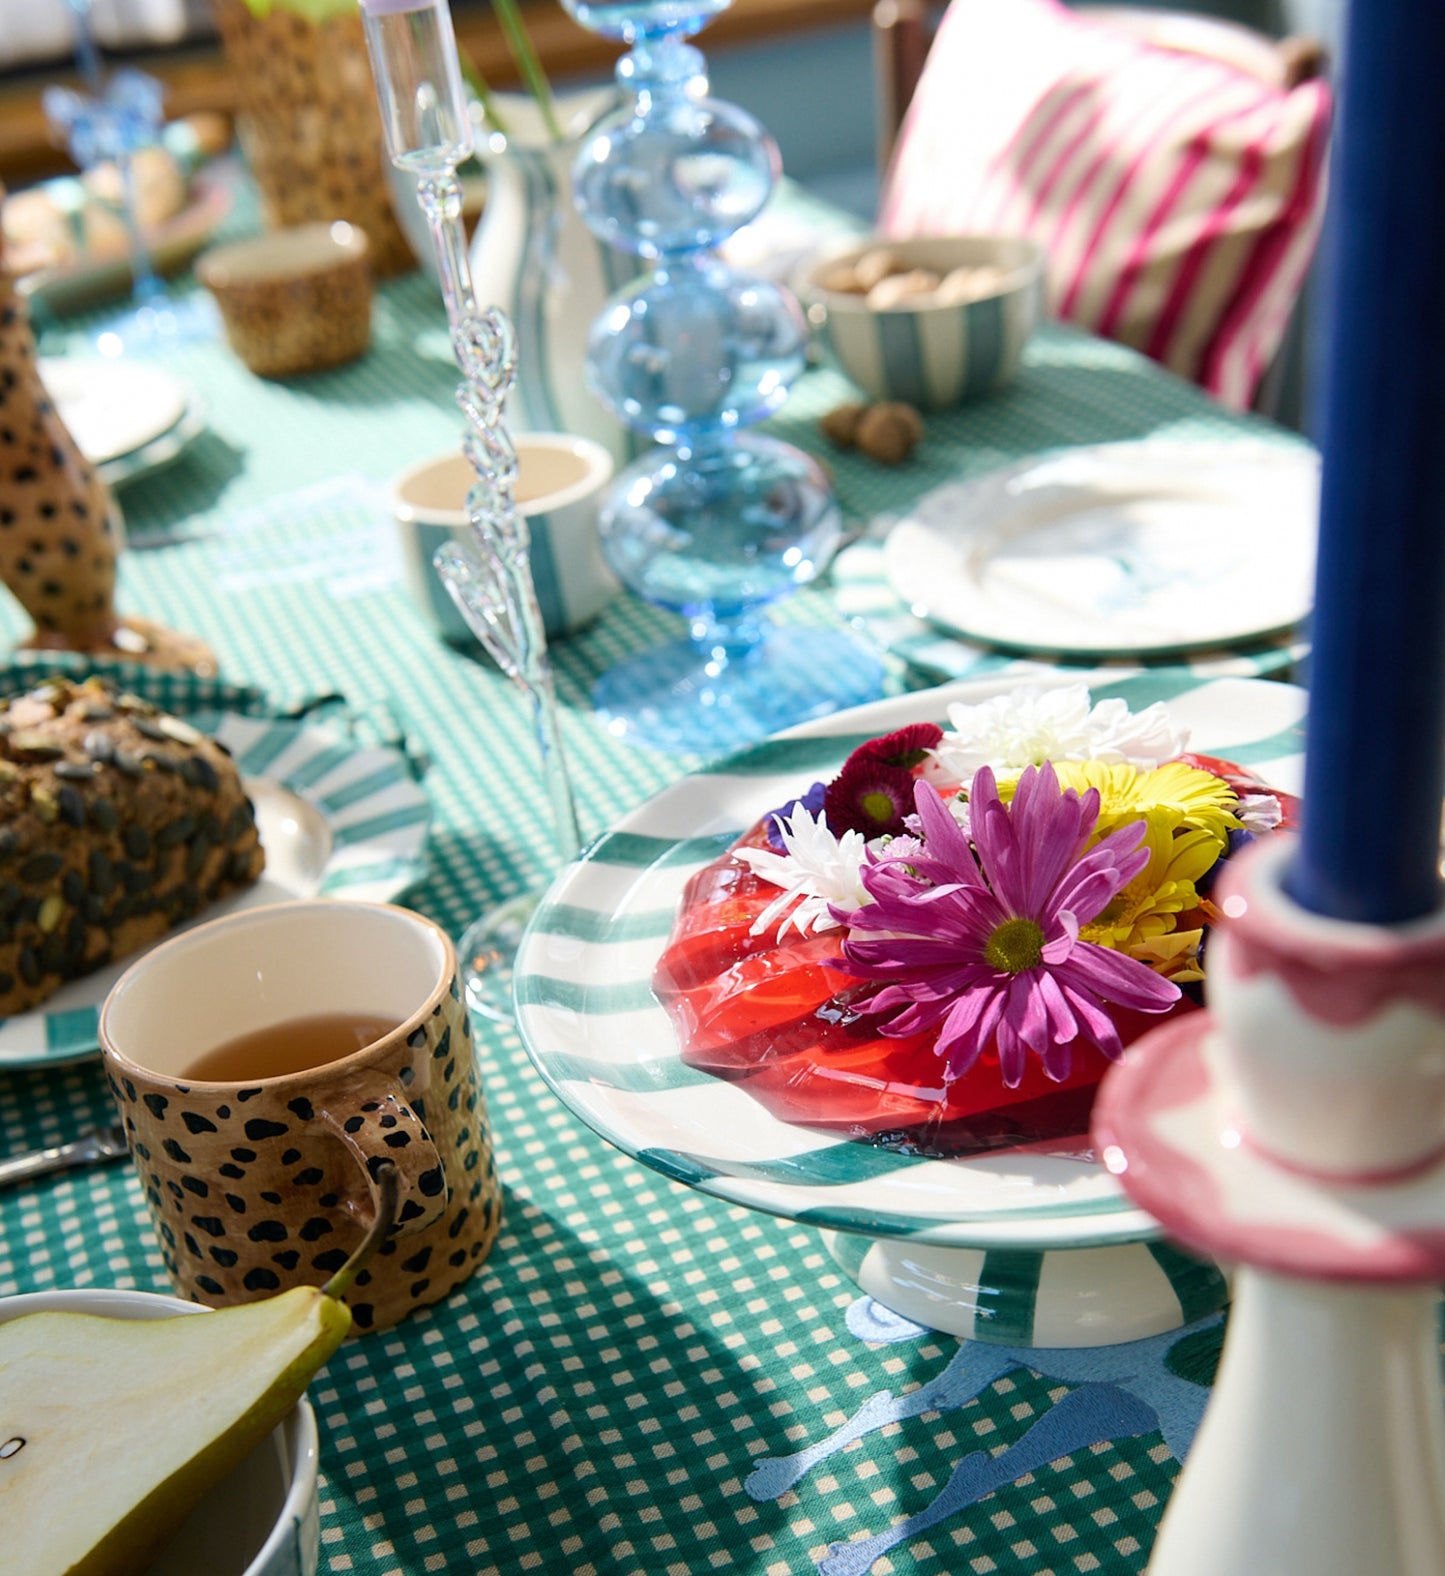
[1297, 1129]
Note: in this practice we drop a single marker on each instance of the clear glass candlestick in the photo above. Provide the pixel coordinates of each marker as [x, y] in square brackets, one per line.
[488, 574]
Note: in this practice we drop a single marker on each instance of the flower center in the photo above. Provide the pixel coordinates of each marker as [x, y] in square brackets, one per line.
[1014, 946]
[878, 806]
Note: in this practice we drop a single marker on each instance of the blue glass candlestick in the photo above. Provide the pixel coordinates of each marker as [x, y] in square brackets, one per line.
[111, 122]
[715, 522]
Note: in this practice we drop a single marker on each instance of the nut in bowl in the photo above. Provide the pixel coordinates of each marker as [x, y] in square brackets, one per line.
[295, 300]
[932, 321]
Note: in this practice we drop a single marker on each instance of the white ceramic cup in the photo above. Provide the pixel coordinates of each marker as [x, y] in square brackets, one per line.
[560, 478]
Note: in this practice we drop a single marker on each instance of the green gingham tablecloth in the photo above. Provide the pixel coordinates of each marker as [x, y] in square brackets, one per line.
[605, 1392]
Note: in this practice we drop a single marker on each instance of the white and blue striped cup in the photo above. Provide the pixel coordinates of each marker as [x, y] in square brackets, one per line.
[560, 480]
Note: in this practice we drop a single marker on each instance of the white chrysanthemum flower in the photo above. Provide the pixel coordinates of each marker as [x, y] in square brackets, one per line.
[1029, 726]
[1259, 812]
[817, 870]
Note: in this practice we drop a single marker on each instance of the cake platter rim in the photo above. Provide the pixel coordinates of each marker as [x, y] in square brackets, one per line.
[605, 1047]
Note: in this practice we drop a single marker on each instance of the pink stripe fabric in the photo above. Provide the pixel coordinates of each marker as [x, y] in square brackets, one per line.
[1193, 115]
[1279, 261]
[1211, 225]
[1179, 200]
[1011, 174]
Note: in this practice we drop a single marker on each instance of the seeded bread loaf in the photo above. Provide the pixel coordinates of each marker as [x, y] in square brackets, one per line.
[117, 822]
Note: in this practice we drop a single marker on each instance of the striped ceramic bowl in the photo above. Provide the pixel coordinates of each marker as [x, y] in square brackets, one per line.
[872, 307]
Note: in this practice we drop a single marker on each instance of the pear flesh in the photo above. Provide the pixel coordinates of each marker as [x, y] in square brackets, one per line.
[112, 1429]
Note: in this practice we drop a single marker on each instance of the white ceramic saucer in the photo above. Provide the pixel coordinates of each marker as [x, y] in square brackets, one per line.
[1120, 549]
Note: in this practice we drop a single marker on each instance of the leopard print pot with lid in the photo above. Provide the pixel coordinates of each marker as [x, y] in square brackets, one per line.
[258, 1180]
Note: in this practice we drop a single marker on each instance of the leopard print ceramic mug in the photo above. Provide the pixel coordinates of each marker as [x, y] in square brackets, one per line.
[265, 1064]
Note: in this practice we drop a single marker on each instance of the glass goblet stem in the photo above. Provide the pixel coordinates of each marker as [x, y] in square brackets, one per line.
[146, 286]
[501, 612]
[440, 196]
[488, 572]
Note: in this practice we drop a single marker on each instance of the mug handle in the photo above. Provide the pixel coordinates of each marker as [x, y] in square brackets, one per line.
[366, 1112]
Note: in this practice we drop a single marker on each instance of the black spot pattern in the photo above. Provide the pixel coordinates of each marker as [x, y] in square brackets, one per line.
[307, 1234]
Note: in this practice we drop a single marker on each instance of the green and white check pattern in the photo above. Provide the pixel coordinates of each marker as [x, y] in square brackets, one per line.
[595, 1398]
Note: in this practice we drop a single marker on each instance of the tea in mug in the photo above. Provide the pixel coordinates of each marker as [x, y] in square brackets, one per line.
[295, 1046]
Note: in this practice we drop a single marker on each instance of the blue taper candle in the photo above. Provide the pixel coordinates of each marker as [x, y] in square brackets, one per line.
[1375, 760]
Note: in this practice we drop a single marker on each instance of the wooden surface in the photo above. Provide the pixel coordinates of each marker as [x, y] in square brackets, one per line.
[196, 80]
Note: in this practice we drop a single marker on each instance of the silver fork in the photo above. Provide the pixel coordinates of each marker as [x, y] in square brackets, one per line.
[95, 1145]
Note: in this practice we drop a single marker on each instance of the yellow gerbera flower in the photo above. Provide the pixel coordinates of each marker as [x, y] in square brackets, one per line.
[1185, 795]
[1175, 956]
[1143, 912]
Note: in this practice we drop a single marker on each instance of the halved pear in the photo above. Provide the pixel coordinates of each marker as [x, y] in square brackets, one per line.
[111, 1430]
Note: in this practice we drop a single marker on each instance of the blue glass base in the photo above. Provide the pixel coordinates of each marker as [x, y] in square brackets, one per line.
[678, 698]
[158, 327]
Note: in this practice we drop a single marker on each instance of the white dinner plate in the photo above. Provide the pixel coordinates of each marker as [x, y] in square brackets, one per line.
[601, 1040]
[336, 818]
[1119, 549]
[113, 408]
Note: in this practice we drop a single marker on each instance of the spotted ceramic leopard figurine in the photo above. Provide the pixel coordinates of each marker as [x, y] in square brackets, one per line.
[57, 538]
[59, 528]
[309, 122]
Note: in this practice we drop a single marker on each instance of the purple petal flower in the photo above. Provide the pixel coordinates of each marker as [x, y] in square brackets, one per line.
[977, 934]
[812, 802]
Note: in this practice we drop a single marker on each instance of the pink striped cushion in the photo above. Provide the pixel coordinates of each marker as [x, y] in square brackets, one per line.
[1179, 200]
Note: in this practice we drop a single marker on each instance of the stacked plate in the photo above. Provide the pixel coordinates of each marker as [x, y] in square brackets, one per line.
[128, 418]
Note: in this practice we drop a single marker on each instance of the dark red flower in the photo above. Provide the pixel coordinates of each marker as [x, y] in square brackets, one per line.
[905, 748]
[870, 797]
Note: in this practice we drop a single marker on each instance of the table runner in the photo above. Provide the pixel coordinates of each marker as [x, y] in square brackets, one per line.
[605, 1394]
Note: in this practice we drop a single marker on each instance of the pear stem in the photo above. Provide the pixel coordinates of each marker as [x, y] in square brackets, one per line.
[388, 1199]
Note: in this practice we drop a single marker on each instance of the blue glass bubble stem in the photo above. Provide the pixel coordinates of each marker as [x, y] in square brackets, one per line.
[714, 523]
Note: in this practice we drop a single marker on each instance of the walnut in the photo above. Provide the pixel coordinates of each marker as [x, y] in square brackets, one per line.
[888, 432]
[840, 425]
[971, 283]
[903, 290]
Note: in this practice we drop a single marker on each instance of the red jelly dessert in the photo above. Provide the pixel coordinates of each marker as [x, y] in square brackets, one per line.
[780, 1015]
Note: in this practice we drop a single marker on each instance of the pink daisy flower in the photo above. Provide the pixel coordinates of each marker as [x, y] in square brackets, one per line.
[978, 932]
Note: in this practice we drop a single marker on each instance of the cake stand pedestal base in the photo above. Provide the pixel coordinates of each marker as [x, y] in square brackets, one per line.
[1025, 1297]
